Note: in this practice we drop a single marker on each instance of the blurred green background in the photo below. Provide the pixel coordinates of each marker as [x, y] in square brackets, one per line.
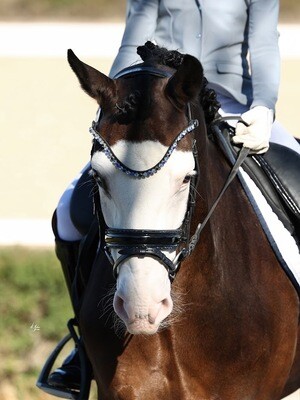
[34, 308]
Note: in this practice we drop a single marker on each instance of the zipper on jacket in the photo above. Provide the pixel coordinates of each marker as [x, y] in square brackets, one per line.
[200, 34]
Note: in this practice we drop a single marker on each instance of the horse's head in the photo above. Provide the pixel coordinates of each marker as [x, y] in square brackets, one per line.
[143, 112]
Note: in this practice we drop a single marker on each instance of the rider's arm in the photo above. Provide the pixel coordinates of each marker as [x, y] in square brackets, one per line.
[264, 52]
[140, 26]
[265, 72]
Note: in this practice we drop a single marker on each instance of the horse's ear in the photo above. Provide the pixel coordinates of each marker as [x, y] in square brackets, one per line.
[93, 82]
[186, 83]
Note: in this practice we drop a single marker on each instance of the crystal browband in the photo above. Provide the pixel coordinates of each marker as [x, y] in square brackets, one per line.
[105, 147]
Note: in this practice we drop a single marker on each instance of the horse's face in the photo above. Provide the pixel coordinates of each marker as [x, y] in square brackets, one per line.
[143, 298]
[159, 202]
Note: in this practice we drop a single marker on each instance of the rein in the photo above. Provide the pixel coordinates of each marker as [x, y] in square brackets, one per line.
[151, 243]
[242, 155]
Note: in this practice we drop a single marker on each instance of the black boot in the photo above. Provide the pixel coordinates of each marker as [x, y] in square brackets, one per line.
[68, 375]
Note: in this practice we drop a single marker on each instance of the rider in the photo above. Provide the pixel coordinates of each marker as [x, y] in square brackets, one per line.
[221, 35]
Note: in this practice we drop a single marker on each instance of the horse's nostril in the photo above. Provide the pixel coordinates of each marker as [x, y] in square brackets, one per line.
[119, 302]
[119, 307]
[165, 302]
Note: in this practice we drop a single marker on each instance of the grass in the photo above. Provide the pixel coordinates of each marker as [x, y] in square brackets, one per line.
[32, 291]
[34, 307]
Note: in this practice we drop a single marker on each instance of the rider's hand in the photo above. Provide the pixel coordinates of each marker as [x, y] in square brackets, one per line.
[257, 134]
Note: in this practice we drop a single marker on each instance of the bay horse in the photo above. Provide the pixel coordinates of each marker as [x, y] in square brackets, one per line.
[226, 327]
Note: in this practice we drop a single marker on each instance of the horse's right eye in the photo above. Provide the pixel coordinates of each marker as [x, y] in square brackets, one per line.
[97, 178]
[100, 181]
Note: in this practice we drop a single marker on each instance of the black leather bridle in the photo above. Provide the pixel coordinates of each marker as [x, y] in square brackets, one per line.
[153, 243]
[144, 242]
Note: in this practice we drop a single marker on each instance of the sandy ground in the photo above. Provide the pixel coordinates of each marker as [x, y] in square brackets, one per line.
[44, 141]
[44, 115]
[44, 119]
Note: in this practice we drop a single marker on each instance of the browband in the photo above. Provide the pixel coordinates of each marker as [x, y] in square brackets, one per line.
[105, 147]
[141, 69]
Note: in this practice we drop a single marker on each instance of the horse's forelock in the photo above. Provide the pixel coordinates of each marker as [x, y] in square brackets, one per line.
[136, 104]
[173, 59]
[135, 99]
[126, 110]
[137, 96]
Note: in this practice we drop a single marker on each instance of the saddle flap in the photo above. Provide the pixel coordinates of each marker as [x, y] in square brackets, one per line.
[275, 174]
[282, 165]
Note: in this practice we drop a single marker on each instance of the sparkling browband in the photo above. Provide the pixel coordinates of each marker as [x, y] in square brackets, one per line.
[148, 172]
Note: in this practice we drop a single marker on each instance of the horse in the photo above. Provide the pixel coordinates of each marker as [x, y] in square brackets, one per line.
[158, 321]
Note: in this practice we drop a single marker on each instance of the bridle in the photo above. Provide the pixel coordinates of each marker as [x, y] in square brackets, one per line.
[144, 242]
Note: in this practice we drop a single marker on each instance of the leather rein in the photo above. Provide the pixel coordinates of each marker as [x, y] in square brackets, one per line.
[153, 243]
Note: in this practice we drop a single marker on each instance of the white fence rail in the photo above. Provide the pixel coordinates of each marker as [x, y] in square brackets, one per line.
[92, 39]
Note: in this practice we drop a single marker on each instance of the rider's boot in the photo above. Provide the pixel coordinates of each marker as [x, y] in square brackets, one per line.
[68, 375]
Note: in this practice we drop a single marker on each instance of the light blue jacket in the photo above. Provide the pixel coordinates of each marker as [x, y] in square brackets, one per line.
[220, 33]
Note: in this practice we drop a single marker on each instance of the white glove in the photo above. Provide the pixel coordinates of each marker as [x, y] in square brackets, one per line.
[256, 136]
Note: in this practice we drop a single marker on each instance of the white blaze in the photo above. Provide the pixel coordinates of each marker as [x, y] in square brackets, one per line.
[142, 299]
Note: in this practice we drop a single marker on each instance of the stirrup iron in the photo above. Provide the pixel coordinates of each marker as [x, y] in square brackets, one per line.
[85, 381]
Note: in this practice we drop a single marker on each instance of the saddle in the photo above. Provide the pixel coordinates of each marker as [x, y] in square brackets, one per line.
[282, 191]
[276, 173]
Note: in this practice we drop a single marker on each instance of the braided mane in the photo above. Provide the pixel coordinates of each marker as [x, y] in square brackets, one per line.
[152, 53]
[160, 55]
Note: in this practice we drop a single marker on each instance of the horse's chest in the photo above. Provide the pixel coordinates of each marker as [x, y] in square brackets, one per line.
[148, 371]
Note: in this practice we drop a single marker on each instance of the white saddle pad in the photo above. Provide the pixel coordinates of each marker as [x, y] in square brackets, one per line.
[279, 237]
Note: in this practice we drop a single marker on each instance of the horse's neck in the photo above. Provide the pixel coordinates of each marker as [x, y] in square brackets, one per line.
[221, 239]
[213, 173]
